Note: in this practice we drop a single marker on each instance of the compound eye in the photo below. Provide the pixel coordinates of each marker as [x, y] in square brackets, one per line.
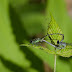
[30, 41]
[58, 42]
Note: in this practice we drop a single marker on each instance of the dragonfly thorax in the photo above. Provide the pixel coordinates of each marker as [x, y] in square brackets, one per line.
[35, 41]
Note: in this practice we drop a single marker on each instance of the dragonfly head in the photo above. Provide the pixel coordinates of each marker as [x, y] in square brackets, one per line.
[58, 42]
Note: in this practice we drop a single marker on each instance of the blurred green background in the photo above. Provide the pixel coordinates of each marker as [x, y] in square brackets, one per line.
[23, 20]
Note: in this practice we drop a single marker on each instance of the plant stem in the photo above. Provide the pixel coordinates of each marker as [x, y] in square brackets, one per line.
[55, 62]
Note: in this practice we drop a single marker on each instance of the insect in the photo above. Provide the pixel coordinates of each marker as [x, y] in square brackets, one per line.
[35, 41]
[64, 45]
[60, 45]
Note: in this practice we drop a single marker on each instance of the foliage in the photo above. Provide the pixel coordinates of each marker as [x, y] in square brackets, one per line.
[20, 20]
[54, 28]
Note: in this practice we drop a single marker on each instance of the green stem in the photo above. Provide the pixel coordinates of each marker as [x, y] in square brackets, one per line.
[55, 62]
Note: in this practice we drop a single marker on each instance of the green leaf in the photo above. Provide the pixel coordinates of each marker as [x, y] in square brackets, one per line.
[66, 52]
[18, 3]
[39, 47]
[53, 28]
[13, 58]
[60, 14]
[9, 49]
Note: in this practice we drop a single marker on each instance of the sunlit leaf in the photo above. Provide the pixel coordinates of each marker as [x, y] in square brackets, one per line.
[53, 28]
[39, 47]
[66, 52]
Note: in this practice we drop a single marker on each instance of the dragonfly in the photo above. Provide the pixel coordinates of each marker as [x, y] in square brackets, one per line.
[60, 44]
